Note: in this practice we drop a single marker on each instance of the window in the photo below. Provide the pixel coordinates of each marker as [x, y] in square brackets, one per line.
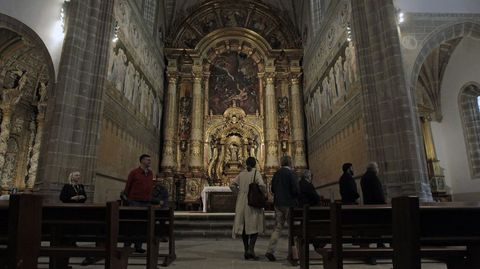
[316, 13]
[469, 102]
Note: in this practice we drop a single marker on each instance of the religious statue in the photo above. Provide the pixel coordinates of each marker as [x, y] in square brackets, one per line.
[12, 96]
[339, 79]
[42, 92]
[233, 153]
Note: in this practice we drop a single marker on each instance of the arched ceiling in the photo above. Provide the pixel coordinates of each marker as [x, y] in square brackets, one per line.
[273, 20]
[288, 10]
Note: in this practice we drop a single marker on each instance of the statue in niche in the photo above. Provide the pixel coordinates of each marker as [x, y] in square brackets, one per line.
[326, 89]
[339, 77]
[282, 106]
[135, 93]
[185, 127]
[12, 95]
[333, 87]
[118, 69]
[351, 63]
[185, 106]
[143, 97]
[129, 81]
[42, 92]
[190, 39]
[209, 23]
[231, 19]
[233, 153]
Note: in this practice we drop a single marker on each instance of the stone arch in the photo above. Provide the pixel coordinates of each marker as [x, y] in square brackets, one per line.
[470, 117]
[27, 80]
[442, 34]
[16, 26]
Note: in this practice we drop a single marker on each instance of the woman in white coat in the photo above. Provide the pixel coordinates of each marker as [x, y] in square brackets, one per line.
[249, 221]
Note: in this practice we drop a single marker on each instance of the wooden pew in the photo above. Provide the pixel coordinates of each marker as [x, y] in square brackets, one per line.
[64, 225]
[314, 227]
[149, 225]
[448, 232]
[357, 226]
[351, 224]
[20, 231]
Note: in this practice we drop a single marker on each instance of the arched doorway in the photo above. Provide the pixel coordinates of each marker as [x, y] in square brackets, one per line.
[26, 80]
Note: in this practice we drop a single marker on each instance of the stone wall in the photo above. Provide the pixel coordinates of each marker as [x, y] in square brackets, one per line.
[133, 102]
[332, 99]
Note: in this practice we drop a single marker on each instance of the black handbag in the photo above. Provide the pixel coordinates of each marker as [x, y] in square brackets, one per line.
[256, 198]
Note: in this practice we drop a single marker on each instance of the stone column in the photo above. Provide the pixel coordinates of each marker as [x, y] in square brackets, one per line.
[171, 114]
[271, 132]
[4, 136]
[391, 123]
[37, 142]
[73, 135]
[196, 136]
[298, 133]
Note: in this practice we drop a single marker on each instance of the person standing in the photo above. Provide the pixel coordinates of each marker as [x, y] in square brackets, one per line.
[371, 186]
[139, 189]
[285, 191]
[309, 196]
[73, 192]
[249, 221]
[348, 187]
[372, 194]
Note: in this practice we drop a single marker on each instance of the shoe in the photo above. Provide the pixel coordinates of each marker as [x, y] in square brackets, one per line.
[140, 250]
[371, 261]
[270, 257]
[246, 256]
[294, 262]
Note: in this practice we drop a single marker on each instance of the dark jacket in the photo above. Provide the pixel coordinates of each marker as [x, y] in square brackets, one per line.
[372, 189]
[348, 189]
[160, 195]
[308, 194]
[68, 191]
[285, 188]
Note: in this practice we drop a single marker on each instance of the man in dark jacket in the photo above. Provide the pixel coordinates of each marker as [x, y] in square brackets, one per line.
[371, 186]
[285, 191]
[348, 187]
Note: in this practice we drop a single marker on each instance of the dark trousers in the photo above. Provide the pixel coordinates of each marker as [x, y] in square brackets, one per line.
[136, 242]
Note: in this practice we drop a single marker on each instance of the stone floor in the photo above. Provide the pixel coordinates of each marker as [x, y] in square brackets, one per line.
[226, 254]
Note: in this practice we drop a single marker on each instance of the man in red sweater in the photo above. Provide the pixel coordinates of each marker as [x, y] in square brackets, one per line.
[139, 189]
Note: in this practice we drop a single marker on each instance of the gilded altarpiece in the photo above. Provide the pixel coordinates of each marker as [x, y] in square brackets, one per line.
[232, 55]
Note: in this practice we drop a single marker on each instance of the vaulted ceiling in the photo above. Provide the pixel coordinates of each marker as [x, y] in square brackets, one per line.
[291, 8]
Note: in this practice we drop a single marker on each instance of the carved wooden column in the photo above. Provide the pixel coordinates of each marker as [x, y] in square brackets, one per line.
[271, 131]
[197, 121]
[168, 158]
[260, 86]
[32, 171]
[298, 134]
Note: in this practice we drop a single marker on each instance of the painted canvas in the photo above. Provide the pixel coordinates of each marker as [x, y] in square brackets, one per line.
[233, 79]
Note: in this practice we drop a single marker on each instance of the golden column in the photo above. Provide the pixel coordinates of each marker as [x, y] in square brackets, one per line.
[197, 120]
[168, 159]
[271, 132]
[298, 133]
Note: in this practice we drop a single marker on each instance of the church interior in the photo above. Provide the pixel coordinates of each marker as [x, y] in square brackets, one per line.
[202, 85]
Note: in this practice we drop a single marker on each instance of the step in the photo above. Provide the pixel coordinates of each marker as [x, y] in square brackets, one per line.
[213, 225]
